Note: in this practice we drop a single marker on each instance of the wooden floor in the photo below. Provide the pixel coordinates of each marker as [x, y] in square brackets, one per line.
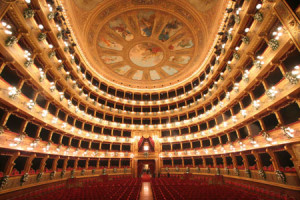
[146, 191]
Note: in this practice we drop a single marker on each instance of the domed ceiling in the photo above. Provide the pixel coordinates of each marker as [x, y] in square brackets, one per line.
[144, 44]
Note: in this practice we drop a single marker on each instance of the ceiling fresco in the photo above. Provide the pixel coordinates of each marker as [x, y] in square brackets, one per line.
[149, 50]
[144, 44]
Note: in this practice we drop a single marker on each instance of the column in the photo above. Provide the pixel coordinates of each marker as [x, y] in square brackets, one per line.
[289, 149]
[37, 134]
[87, 163]
[23, 126]
[108, 165]
[43, 163]
[193, 161]
[65, 163]
[4, 118]
[204, 162]
[245, 160]
[11, 163]
[98, 162]
[50, 136]
[228, 137]
[233, 161]
[29, 163]
[274, 159]
[257, 160]
[70, 141]
[60, 139]
[76, 163]
[54, 164]
[214, 161]
[224, 161]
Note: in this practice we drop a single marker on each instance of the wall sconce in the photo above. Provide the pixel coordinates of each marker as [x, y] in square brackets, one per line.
[266, 136]
[44, 113]
[13, 92]
[256, 104]
[271, 93]
[244, 113]
[294, 75]
[42, 75]
[288, 132]
[258, 62]
[30, 104]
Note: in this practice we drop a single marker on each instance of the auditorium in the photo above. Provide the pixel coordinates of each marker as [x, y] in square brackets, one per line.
[149, 99]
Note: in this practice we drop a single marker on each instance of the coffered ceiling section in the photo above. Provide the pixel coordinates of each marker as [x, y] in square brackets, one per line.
[144, 44]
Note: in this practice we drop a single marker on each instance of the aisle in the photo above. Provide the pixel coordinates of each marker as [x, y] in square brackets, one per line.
[146, 178]
[146, 191]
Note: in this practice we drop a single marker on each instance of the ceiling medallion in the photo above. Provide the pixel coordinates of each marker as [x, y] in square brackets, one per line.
[146, 54]
[145, 45]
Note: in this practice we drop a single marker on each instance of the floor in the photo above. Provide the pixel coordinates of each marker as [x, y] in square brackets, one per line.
[146, 191]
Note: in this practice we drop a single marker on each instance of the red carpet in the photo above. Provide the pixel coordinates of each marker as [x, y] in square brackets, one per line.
[146, 178]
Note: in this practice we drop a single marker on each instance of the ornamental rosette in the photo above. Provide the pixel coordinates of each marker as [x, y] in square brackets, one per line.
[3, 181]
[236, 56]
[292, 78]
[28, 63]
[82, 172]
[274, 44]
[218, 171]
[258, 17]
[51, 15]
[10, 41]
[208, 170]
[246, 40]
[280, 176]
[59, 35]
[248, 172]
[237, 19]
[146, 154]
[24, 178]
[52, 175]
[262, 173]
[51, 54]
[226, 170]
[28, 13]
[228, 68]
[39, 176]
[236, 171]
[187, 170]
[257, 64]
[62, 174]
[104, 171]
[42, 36]
[1, 130]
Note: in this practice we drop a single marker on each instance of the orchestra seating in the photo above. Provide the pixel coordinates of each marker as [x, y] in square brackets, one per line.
[177, 189]
[117, 189]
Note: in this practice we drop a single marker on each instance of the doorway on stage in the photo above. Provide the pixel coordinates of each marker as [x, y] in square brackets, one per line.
[146, 169]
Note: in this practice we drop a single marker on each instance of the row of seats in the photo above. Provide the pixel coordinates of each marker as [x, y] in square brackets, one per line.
[265, 193]
[117, 189]
[177, 188]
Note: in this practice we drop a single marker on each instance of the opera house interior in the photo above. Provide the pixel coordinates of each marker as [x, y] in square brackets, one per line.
[149, 99]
